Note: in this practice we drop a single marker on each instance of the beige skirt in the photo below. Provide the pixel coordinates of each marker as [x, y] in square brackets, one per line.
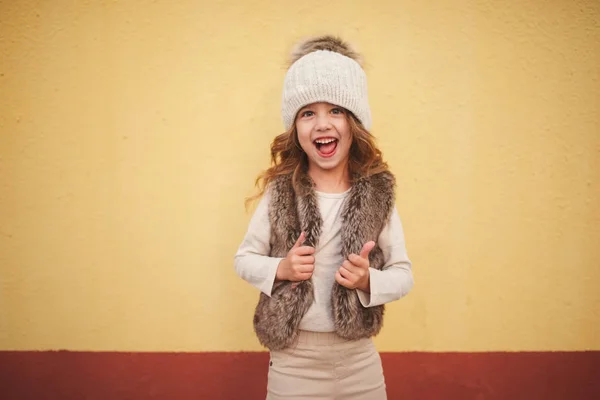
[327, 367]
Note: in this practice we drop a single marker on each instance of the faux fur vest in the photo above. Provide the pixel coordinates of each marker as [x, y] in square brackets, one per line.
[364, 214]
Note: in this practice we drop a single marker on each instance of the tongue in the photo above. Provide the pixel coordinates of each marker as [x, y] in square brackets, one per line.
[328, 148]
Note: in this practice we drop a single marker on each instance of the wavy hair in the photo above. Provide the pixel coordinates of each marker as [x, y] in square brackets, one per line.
[287, 157]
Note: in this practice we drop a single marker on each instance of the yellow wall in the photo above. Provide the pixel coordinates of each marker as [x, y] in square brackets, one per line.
[132, 131]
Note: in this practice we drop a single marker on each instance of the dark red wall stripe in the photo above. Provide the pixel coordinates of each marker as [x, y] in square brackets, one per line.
[69, 375]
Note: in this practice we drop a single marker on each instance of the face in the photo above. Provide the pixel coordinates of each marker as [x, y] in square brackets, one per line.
[324, 135]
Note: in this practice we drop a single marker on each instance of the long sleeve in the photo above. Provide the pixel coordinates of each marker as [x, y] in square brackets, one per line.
[252, 262]
[395, 279]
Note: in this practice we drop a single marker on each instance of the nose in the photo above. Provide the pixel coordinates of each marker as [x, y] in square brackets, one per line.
[322, 123]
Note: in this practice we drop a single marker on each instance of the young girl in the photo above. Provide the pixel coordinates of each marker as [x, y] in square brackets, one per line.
[325, 245]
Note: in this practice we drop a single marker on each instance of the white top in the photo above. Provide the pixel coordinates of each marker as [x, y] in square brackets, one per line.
[253, 264]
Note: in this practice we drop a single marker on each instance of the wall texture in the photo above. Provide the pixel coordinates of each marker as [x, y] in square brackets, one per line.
[131, 132]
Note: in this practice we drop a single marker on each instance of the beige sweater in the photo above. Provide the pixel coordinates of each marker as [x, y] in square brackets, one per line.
[253, 264]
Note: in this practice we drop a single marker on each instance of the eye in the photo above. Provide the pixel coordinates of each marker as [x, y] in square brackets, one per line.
[337, 111]
[307, 113]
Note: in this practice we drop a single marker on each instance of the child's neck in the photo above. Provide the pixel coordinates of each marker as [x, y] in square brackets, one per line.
[330, 181]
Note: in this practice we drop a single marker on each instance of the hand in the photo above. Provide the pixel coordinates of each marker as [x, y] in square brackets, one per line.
[354, 272]
[299, 263]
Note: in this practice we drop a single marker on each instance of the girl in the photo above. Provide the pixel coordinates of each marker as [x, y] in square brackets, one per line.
[325, 245]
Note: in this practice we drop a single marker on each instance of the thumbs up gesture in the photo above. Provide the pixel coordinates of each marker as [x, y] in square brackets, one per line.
[299, 263]
[354, 272]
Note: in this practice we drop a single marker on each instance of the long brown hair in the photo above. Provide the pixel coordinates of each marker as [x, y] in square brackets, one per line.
[287, 157]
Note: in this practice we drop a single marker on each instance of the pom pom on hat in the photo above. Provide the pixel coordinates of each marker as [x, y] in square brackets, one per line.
[327, 42]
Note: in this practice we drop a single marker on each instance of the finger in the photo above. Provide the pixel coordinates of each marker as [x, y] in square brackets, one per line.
[299, 241]
[364, 253]
[305, 260]
[305, 268]
[358, 261]
[343, 281]
[304, 250]
[351, 268]
[352, 272]
[301, 260]
[301, 277]
[347, 273]
[305, 277]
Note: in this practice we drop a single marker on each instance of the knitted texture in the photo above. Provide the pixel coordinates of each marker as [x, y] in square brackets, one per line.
[325, 76]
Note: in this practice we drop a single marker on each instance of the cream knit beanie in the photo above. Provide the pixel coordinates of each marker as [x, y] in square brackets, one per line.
[325, 69]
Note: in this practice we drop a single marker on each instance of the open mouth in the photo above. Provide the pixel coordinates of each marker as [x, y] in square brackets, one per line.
[326, 146]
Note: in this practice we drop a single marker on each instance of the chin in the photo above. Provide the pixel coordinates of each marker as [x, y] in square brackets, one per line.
[326, 166]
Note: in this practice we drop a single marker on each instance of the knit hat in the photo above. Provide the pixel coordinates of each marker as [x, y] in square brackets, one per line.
[325, 69]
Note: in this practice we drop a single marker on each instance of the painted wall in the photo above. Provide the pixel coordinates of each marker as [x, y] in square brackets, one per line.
[130, 134]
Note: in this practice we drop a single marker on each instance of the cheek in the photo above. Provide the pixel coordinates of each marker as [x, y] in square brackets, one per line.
[303, 137]
[346, 136]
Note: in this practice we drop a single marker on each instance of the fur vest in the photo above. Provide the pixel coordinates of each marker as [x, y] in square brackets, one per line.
[364, 214]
